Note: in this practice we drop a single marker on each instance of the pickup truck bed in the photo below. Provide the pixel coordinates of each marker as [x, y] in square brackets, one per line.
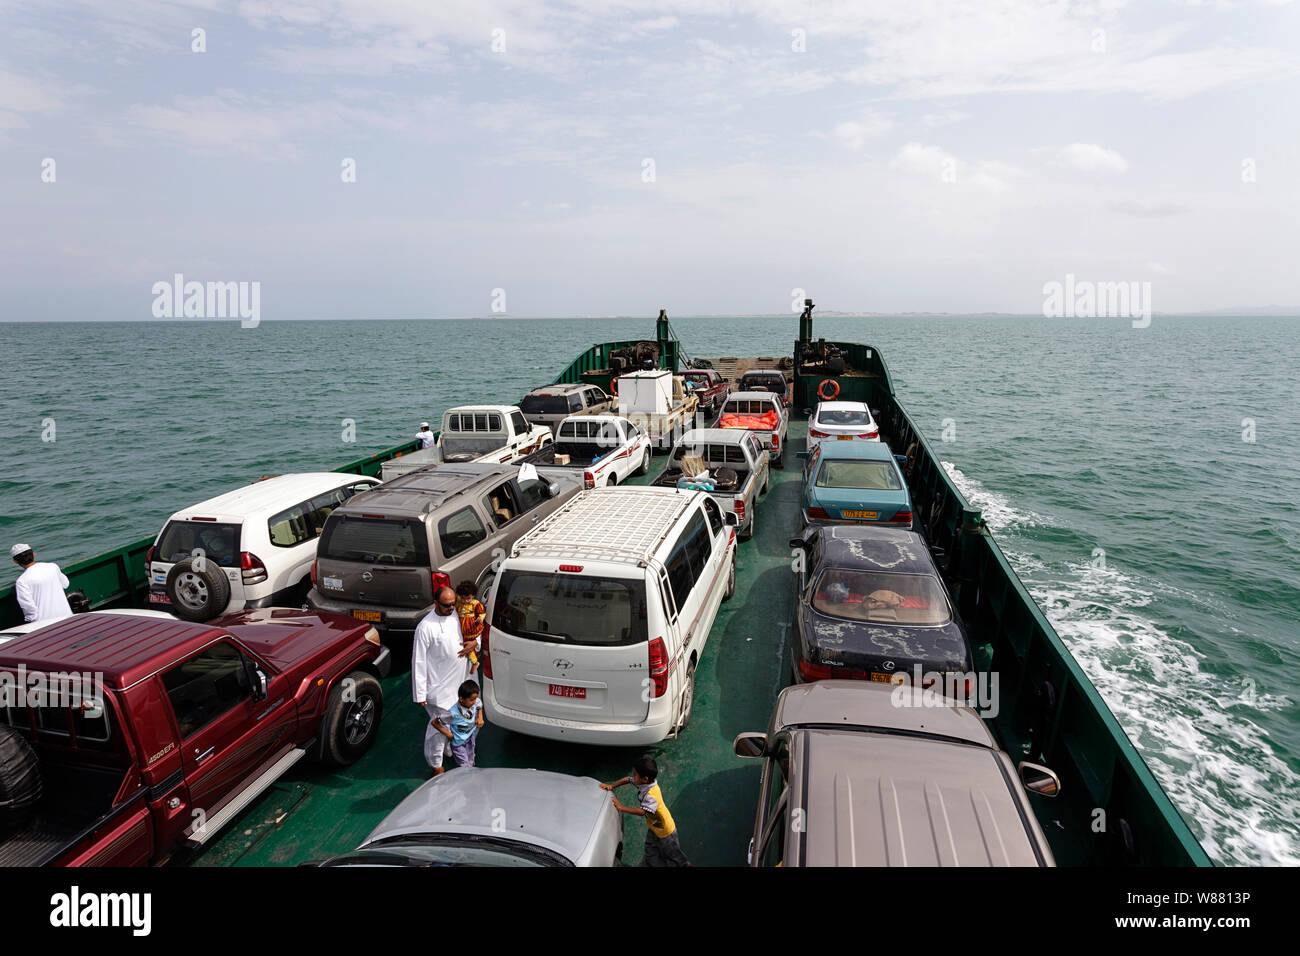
[75, 800]
[581, 454]
[669, 478]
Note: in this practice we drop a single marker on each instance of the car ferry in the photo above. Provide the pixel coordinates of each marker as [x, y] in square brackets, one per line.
[1110, 809]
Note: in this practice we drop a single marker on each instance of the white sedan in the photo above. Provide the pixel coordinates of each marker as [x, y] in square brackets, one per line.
[841, 421]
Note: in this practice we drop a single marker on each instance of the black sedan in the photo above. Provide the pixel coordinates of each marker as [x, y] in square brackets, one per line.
[871, 605]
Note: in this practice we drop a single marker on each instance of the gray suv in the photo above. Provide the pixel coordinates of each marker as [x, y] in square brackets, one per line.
[382, 556]
[854, 777]
[552, 404]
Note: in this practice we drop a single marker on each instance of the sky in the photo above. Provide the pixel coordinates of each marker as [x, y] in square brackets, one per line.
[425, 159]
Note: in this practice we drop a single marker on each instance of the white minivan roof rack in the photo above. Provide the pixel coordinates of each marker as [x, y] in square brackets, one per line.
[625, 525]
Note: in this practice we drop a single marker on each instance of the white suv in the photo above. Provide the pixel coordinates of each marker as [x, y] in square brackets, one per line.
[600, 614]
[248, 548]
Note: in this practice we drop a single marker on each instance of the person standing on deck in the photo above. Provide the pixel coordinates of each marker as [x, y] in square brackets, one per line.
[426, 437]
[662, 846]
[40, 587]
[438, 667]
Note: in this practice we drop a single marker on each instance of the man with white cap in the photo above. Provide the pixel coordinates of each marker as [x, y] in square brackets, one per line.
[40, 587]
[426, 437]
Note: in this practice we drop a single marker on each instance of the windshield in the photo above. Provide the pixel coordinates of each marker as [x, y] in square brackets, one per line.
[546, 405]
[867, 475]
[881, 597]
[571, 608]
[220, 542]
[449, 850]
[762, 383]
[843, 416]
[375, 541]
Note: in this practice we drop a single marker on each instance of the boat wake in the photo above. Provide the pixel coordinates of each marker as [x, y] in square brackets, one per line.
[1192, 726]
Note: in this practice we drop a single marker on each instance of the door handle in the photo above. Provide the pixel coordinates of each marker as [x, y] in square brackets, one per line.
[201, 756]
[536, 518]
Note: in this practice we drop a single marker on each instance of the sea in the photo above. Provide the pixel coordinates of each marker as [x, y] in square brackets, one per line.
[1143, 481]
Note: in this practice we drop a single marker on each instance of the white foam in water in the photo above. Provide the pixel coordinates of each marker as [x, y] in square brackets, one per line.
[1192, 727]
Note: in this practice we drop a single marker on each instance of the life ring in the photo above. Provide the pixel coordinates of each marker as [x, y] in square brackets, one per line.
[821, 389]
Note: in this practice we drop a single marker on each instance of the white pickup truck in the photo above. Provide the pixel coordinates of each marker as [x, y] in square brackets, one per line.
[488, 433]
[657, 401]
[606, 448]
[762, 413]
[728, 463]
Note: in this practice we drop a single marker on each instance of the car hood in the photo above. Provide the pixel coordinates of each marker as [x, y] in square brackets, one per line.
[553, 810]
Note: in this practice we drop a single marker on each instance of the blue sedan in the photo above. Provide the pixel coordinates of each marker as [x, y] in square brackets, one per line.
[854, 482]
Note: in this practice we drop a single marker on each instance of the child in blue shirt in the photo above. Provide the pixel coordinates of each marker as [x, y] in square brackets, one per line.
[466, 720]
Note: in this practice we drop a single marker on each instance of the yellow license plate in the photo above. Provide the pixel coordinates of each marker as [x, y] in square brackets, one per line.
[869, 515]
[882, 678]
[844, 438]
[368, 615]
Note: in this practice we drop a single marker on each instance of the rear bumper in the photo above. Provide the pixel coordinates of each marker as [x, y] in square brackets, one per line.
[579, 732]
[399, 621]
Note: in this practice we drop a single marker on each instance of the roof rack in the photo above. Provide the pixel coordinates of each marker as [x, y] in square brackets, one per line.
[624, 525]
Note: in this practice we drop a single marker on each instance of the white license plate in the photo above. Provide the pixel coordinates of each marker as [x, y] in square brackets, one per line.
[334, 584]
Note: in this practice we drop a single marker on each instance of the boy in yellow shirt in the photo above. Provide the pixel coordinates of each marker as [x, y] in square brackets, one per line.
[661, 844]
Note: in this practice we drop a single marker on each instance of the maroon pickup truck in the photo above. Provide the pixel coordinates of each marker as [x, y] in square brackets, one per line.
[124, 739]
[710, 386]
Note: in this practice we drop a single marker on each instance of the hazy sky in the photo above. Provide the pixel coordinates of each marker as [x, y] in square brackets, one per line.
[895, 156]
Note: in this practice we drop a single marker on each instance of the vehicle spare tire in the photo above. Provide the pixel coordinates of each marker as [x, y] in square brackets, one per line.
[197, 595]
[20, 778]
[727, 479]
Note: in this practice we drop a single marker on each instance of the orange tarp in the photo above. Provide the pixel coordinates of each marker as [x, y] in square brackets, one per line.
[766, 422]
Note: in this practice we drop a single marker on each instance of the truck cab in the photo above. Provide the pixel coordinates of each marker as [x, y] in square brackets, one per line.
[496, 434]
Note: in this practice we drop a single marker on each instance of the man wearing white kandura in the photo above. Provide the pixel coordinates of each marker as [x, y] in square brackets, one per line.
[438, 666]
[40, 587]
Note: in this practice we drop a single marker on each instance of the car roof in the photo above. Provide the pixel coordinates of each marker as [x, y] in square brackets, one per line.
[267, 495]
[418, 492]
[875, 549]
[482, 408]
[763, 371]
[559, 389]
[21, 630]
[754, 396]
[857, 703]
[557, 811]
[621, 524]
[859, 450]
[887, 800]
[843, 407]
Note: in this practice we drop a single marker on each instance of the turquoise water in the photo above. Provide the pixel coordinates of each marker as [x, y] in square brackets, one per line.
[1109, 461]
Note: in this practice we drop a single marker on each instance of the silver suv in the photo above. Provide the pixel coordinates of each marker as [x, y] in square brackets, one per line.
[384, 560]
[857, 773]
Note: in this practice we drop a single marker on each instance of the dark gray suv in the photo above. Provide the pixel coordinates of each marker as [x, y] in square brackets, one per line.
[382, 556]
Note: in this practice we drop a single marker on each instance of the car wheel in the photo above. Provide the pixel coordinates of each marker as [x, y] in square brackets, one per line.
[645, 464]
[197, 595]
[731, 580]
[20, 779]
[753, 518]
[688, 699]
[351, 725]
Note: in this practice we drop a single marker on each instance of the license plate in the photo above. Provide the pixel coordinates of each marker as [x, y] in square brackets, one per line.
[375, 616]
[882, 678]
[334, 584]
[564, 690]
[869, 515]
[158, 599]
[844, 438]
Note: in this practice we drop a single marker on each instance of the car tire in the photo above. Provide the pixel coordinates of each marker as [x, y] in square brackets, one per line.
[197, 595]
[645, 464]
[20, 778]
[767, 482]
[350, 727]
[753, 520]
[688, 705]
[728, 594]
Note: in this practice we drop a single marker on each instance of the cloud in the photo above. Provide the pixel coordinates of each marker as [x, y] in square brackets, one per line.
[855, 133]
[920, 160]
[1160, 269]
[1091, 158]
[1148, 210]
[22, 94]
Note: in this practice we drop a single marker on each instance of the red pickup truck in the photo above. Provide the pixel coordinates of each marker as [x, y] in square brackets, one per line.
[711, 388]
[124, 739]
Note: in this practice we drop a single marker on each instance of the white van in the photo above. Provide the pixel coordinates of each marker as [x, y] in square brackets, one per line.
[600, 614]
[249, 548]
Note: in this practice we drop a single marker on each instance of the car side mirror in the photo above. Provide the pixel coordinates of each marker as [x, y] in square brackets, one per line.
[256, 680]
[1038, 779]
[553, 489]
[901, 459]
[749, 745]
[798, 543]
[731, 519]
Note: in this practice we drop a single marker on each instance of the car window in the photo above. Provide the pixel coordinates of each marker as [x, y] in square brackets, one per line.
[453, 423]
[207, 686]
[843, 416]
[460, 531]
[772, 850]
[699, 545]
[394, 541]
[501, 504]
[520, 425]
[356, 489]
[532, 492]
[884, 597]
[715, 515]
[219, 542]
[867, 475]
[544, 404]
[291, 526]
[682, 568]
[322, 506]
[570, 608]
[575, 402]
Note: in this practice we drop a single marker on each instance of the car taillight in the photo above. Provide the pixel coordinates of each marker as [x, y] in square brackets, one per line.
[659, 666]
[484, 658]
[776, 441]
[875, 434]
[901, 517]
[810, 671]
[572, 568]
[251, 567]
[818, 514]
[588, 480]
[148, 559]
[313, 574]
[814, 433]
[440, 580]
[739, 505]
